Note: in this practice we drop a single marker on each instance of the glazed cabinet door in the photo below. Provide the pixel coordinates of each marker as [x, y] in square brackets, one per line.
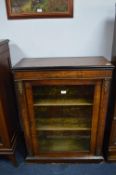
[61, 117]
[3, 131]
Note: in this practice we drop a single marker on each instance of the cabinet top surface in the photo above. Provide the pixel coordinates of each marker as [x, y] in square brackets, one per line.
[62, 63]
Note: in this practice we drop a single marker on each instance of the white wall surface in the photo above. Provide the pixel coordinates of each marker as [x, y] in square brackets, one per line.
[88, 33]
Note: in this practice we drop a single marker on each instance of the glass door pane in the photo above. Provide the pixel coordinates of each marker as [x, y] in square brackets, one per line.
[63, 117]
[63, 141]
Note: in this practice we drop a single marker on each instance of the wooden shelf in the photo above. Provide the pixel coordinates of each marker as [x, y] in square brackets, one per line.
[55, 128]
[63, 102]
[65, 144]
[63, 123]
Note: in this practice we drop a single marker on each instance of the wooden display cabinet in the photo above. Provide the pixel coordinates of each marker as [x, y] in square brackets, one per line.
[8, 112]
[111, 123]
[63, 105]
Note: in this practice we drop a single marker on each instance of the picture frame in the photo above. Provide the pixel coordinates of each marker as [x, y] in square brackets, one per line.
[21, 9]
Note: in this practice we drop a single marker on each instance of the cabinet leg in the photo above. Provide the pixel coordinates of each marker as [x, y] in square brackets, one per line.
[12, 158]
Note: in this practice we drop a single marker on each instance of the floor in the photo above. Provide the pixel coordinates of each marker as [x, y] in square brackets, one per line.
[6, 168]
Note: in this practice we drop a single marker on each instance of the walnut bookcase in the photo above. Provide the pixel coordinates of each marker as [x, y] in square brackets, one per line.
[63, 105]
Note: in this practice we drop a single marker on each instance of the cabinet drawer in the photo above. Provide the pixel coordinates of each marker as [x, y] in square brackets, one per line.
[113, 134]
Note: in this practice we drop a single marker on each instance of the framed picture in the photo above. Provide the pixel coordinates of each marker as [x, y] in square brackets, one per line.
[17, 9]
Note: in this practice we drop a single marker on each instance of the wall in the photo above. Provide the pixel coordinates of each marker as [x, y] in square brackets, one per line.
[89, 33]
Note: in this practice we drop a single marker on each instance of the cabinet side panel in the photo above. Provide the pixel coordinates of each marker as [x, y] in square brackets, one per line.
[7, 94]
[111, 123]
[102, 115]
[96, 108]
[21, 98]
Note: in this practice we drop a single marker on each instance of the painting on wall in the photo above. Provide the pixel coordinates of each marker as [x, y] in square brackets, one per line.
[17, 9]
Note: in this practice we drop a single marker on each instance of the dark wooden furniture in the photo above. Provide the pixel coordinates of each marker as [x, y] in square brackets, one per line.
[7, 105]
[63, 104]
[111, 153]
